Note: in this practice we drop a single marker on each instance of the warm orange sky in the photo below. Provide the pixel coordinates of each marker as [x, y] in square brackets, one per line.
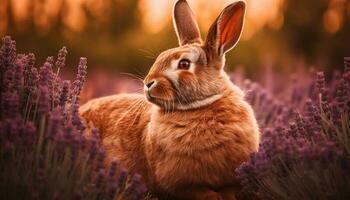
[259, 13]
[156, 14]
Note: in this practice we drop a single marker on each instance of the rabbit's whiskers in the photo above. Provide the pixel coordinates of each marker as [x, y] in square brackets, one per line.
[134, 76]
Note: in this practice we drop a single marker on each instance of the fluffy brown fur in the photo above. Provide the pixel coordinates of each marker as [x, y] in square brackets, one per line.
[194, 128]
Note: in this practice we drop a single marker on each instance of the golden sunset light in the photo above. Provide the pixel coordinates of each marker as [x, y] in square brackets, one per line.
[156, 14]
[175, 99]
[259, 14]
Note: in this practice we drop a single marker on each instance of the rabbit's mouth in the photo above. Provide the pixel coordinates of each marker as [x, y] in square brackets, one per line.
[149, 96]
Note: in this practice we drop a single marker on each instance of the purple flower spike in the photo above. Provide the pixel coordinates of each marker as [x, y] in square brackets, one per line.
[95, 133]
[80, 80]
[64, 93]
[9, 83]
[100, 159]
[61, 57]
[45, 75]
[136, 190]
[113, 168]
[11, 104]
[50, 60]
[347, 64]
[93, 151]
[336, 114]
[18, 76]
[30, 61]
[44, 100]
[41, 135]
[8, 52]
[341, 95]
[123, 174]
[320, 81]
[76, 120]
[32, 81]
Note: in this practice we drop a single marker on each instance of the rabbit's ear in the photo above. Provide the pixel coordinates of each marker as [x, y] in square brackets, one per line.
[185, 24]
[226, 30]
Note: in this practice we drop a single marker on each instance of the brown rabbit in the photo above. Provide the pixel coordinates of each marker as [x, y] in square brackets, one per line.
[194, 128]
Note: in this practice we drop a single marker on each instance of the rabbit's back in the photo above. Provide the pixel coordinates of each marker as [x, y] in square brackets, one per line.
[121, 120]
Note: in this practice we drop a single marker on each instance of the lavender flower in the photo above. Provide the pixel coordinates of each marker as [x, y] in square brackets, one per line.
[8, 52]
[113, 169]
[80, 80]
[320, 81]
[45, 75]
[341, 95]
[136, 190]
[64, 93]
[100, 160]
[76, 121]
[8, 80]
[313, 149]
[122, 178]
[93, 151]
[95, 134]
[30, 63]
[347, 64]
[32, 81]
[56, 93]
[10, 105]
[50, 60]
[44, 100]
[18, 75]
[47, 157]
[61, 57]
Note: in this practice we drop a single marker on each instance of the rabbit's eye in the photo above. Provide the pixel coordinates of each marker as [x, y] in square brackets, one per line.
[184, 64]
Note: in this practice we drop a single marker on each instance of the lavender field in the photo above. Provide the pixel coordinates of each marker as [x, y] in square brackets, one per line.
[43, 151]
[304, 151]
[290, 58]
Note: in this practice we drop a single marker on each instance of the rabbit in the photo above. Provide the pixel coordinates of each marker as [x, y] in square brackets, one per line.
[192, 127]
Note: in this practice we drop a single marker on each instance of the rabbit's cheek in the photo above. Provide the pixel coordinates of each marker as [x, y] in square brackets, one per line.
[187, 82]
[163, 90]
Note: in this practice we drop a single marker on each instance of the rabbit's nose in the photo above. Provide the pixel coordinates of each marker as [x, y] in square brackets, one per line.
[149, 84]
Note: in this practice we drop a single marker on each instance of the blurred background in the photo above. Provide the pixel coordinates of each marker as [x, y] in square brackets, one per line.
[125, 36]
